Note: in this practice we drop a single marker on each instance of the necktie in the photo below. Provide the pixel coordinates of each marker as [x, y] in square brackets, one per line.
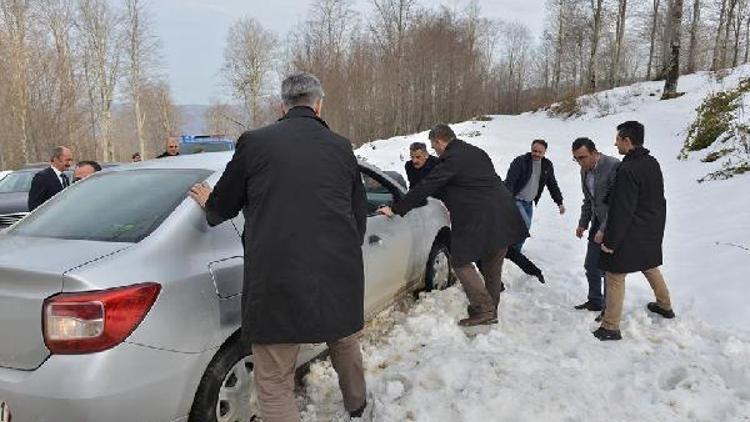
[65, 181]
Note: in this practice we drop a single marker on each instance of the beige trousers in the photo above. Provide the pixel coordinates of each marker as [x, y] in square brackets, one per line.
[483, 290]
[274, 377]
[616, 295]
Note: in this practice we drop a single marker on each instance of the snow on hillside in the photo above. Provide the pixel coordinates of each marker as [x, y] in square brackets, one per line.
[541, 363]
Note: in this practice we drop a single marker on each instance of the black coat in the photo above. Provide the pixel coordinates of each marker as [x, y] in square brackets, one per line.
[415, 175]
[519, 174]
[300, 189]
[44, 186]
[165, 154]
[484, 216]
[637, 214]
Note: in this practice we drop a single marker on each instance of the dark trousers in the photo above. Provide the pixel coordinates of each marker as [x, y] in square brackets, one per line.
[594, 275]
[524, 263]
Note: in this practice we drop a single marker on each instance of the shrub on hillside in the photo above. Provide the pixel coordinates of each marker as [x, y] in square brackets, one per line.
[566, 108]
[721, 126]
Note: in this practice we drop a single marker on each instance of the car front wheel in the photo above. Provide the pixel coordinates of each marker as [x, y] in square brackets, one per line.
[439, 274]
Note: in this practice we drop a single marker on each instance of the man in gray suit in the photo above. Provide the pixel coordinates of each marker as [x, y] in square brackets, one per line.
[597, 176]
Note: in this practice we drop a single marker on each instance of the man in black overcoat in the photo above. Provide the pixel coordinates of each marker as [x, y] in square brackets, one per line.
[635, 229]
[299, 186]
[484, 218]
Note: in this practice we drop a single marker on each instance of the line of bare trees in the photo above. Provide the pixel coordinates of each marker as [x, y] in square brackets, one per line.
[83, 73]
[401, 67]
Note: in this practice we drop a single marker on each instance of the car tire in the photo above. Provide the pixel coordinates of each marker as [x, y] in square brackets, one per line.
[226, 392]
[439, 274]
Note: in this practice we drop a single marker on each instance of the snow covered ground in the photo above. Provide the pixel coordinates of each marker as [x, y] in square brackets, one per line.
[541, 363]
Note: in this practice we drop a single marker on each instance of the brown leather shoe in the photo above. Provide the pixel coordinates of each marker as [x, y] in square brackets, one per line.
[483, 318]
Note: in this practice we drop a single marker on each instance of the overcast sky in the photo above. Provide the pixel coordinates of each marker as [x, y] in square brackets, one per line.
[193, 33]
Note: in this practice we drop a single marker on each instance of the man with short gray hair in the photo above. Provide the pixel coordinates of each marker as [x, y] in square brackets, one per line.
[48, 182]
[299, 187]
[420, 164]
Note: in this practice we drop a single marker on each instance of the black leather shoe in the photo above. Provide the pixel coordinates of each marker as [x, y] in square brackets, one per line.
[358, 413]
[655, 308]
[604, 334]
[589, 306]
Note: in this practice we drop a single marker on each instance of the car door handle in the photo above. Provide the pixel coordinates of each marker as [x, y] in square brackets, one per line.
[375, 240]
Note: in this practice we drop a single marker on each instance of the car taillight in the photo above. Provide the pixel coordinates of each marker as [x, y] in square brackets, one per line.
[88, 322]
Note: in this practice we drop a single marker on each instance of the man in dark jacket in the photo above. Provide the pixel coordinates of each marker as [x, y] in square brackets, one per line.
[299, 186]
[484, 219]
[527, 176]
[48, 182]
[635, 229]
[173, 148]
[597, 177]
[420, 164]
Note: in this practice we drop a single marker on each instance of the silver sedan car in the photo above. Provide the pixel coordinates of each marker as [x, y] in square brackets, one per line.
[118, 303]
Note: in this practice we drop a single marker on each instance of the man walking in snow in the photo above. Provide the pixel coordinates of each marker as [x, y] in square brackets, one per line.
[527, 176]
[597, 176]
[635, 229]
[484, 218]
[304, 274]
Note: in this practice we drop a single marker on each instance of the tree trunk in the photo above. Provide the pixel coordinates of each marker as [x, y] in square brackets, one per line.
[727, 31]
[694, 36]
[717, 40]
[597, 9]
[654, 21]
[673, 71]
[614, 71]
[747, 38]
[558, 52]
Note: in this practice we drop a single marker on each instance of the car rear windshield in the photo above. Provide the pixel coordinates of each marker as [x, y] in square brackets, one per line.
[197, 147]
[19, 181]
[120, 206]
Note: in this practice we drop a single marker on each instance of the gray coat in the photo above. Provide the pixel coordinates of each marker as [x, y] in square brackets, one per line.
[594, 209]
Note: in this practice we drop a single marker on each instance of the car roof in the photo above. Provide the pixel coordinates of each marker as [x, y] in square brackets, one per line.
[215, 161]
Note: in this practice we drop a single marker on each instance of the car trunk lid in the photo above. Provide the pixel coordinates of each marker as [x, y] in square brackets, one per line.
[31, 270]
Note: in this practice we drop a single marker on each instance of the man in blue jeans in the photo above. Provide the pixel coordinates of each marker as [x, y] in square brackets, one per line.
[597, 176]
[527, 176]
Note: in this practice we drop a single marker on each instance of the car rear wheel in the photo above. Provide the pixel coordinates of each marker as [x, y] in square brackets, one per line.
[439, 274]
[226, 392]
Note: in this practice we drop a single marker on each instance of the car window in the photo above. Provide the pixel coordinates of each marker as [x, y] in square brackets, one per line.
[19, 181]
[198, 147]
[118, 206]
[378, 194]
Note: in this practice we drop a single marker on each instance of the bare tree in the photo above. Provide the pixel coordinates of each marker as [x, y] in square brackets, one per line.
[619, 37]
[654, 22]
[596, 7]
[100, 27]
[715, 62]
[737, 29]
[248, 63]
[732, 6]
[694, 36]
[673, 71]
[15, 22]
[142, 50]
